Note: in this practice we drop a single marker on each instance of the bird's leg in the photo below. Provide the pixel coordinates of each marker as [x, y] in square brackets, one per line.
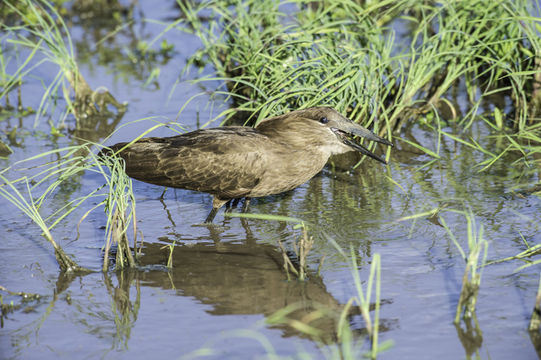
[228, 206]
[211, 215]
[217, 203]
[235, 202]
[246, 204]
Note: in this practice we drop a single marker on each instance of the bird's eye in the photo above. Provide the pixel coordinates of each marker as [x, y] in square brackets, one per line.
[324, 120]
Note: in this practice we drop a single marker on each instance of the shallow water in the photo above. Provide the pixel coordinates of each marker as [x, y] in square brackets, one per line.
[226, 280]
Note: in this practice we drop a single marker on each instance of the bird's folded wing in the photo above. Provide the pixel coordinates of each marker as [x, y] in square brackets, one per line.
[227, 164]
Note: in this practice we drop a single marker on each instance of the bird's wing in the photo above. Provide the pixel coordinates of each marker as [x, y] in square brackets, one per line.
[227, 162]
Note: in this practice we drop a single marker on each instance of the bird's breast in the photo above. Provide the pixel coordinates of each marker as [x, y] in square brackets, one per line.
[288, 169]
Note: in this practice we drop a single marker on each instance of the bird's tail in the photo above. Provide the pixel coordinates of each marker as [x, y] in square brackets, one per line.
[110, 151]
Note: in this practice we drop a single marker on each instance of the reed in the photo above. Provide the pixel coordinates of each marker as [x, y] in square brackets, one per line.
[28, 206]
[40, 29]
[47, 177]
[475, 259]
[120, 208]
[367, 298]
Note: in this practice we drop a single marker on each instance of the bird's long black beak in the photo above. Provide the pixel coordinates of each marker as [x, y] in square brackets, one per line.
[348, 129]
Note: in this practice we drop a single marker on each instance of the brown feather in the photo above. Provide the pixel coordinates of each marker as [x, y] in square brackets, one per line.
[226, 161]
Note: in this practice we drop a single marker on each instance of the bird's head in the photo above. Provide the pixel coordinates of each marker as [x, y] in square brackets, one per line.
[322, 127]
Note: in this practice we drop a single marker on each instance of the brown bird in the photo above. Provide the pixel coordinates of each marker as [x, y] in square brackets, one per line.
[233, 162]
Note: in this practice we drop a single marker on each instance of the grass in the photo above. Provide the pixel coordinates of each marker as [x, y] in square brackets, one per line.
[29, 207]
[475, 259]
[117, 200]
[474, 256]
[120, 208]
[364, 301]
[272, 61]
[349, 345]
[524, 256]
[41, 30]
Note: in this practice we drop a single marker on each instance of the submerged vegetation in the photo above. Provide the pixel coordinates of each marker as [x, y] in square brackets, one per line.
[450, 68]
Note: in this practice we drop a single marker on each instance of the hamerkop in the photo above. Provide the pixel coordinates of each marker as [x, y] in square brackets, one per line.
[233, 162]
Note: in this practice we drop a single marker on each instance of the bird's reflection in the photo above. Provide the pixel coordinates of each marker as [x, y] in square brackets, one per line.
[238, 279]
[240, 275]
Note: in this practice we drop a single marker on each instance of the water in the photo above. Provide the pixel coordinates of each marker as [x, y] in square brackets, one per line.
[227, 280]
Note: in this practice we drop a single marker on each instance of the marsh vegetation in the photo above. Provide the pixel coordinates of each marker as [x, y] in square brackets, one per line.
[412, 259]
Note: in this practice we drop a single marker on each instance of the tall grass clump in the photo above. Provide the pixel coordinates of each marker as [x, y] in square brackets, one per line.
[346, 54]
[119, 206]
[38, 28]
[117, 199]
[27, 205]
[475, 259]
[47, 178]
